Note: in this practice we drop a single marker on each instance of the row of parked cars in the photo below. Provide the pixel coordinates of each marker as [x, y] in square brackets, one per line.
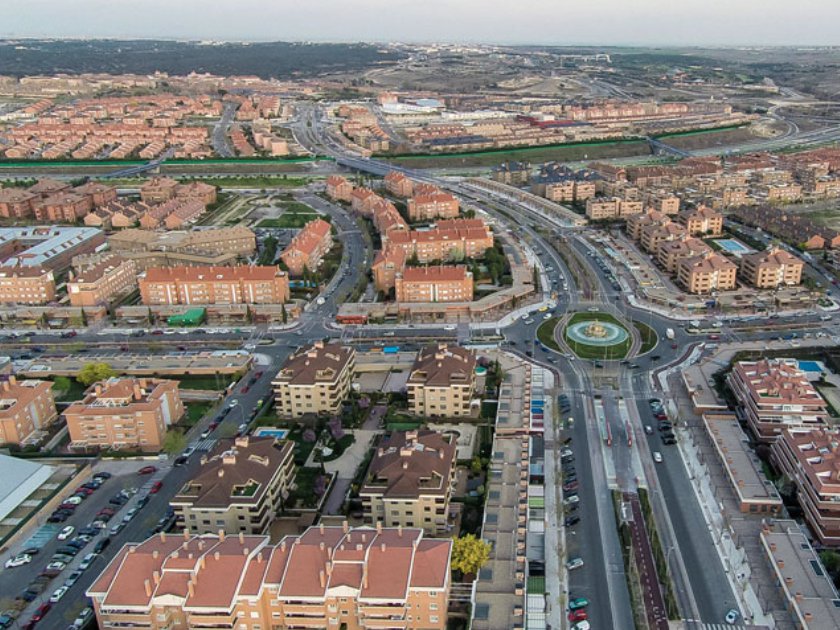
[571, 501]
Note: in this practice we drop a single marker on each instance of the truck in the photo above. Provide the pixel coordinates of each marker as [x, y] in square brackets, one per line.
[670, 333]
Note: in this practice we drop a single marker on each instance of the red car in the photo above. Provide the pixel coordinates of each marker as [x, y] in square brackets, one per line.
[577, 615]
[245, 389]
[258, 374]
[43, 609]
[156, 486]
[86, 491]
[147, 470]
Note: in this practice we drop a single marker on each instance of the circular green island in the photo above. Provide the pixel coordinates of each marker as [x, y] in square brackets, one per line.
[597, 336]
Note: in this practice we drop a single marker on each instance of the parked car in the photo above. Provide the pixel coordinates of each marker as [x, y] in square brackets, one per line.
[58, 594]
[578, 602]
[156, 486]
[66, 532]
[574, 563]
[571, 521]
[102, 475]
[18, 561]
[147, 470]
[732, 616]
[657, 457]
[87, 561]
[101, 545]
[72, 578]
[578, 615]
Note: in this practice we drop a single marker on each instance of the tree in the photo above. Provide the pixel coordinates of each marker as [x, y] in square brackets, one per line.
[283, 313]
[93, 372]
[469, 554]
[174, 442]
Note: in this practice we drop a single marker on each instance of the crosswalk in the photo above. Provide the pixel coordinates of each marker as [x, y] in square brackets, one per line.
[205, 445]
[713, 626]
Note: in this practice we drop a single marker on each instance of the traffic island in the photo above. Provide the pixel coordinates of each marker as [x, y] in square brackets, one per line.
[598, 336]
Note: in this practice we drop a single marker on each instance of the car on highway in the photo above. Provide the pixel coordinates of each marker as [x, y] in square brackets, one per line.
[147, 470]
[66, 532]
[648, 429]
[732, 616]
[657, 457]
[577, 603]
[18, 561]
[58, 594]
[574, 563]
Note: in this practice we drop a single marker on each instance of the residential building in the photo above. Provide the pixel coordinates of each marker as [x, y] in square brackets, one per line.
[801, 579]
[25, 407]
[774, 395]
[98, 279]
[811, 461]
[399, 185]
[46, 187]
[600, 209]
[653, 235]
[409, 481]
[339, 189]
[16, 203]
[242, 284]
[327, 577]
[707, 273]
[637, 222]
[197, 191]
[362, 200]
[99, 194]
[444, 283]
[63, 207]
[308, 247]
[511, 173]
[386, 265]
[433, 205]
[772, 268]
[314, 380]
[240, 486]
[442, 382]
[124, 414]
[386, 219]
[670, 253]
[701, 221]
[26, 285]
[450, 240]
[158, 190]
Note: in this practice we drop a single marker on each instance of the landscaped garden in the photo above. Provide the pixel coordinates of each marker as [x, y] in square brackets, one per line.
[597, 336]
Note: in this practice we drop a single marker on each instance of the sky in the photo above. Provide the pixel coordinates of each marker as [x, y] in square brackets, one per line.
[572, 22]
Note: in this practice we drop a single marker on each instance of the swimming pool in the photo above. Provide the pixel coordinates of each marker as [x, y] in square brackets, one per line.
[733, 246]
[810, 366]
[279, 434]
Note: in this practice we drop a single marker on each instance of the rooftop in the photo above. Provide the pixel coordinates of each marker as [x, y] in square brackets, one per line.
[319, 363]
[409, 464]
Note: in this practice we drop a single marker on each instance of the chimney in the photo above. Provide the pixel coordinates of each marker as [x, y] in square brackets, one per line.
[98, 390]
[345, 526]
[399, 530]
[321, 528]
[382, 547]
[321, 545]
[329, 568]
[163, 537]
[241, 538]
[216, 555]
[260, 557]
[156, 577]
[186, 534]
[788, 581]
[191, 588]
[12, 380]
[221, 535]
[148, 586]
[200, 562]
[155, 554]
[138, 391]
[283, 545]
[322, 578]
[378, 527]
[364, 575]
[798, 597]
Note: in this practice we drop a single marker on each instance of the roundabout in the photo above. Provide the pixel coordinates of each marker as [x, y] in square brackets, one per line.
[597, 336]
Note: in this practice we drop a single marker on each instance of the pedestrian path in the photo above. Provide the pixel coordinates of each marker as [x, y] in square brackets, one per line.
[206, 444]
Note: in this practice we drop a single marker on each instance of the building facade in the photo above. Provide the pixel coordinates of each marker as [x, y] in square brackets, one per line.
[432, 205]
[124, 414]
[409, 481]
[308, 247]
[240, 486]
[26, 285]
[707, 273]
[314, 380]
[25, 407]
[100, 280]
[443, 283]
[772, 268]
[214, 285]
[442, 381]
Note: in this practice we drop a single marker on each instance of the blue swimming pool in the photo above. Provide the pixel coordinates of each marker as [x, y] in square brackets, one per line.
[279, 434]
[733, 246]
[810, 366]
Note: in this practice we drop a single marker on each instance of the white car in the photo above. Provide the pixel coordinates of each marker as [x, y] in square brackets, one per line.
[18, 561]
[581, 625]
[73, 500]
[573, 499]
[59, 593]
[56, 566]
[87, 561]
[657, 457]
[574, 563]
[65, 533]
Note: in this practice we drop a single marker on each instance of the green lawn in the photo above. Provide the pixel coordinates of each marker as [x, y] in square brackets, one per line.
[194, 411]
[67, 389]
[605, 353]
[648, 335]
[304, 494]
[214, 383]
[545, 333]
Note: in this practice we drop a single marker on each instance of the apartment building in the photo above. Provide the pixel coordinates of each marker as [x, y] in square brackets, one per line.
[99, 194]
[339, 189]
[16, 203]
[47, 187]
[444, 283]
[772, 268]
[794, 228]
[362, 200]
[706, 273]
[599, 209]
[664, 202]
[210, 247]
[63, 207]
[26, 285]
[701, 221]
[158, 189]
[450, 240]
[98, 279]
[442, 382]
[327, 577]
[308, 247]
[802, 581]
[811, 460]
[409, 481]
[386, 265]
[201, 192]
[386, 219]
[242, 284]
[432, 205]
[399, 185]
[124, 414]
[653, 235]
[670, 253]
[511, 173]
[314, 380]
[637, 222]
[25, 407]
[774, 395]
[240, 486]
